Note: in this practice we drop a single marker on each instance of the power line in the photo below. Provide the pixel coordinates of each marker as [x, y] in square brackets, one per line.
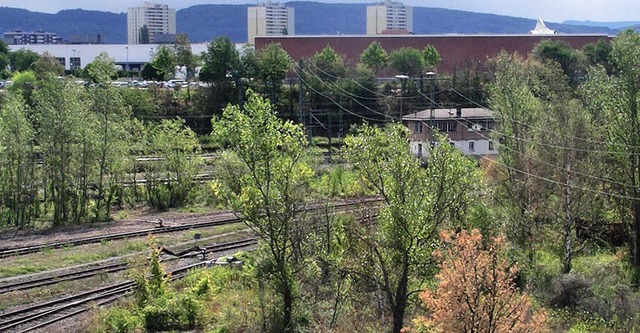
[547, 131]
[550, 164]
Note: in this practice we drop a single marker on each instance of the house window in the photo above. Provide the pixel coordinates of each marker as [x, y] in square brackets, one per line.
[447, 126]
[491, 145]
[472, 146]
[417, 127]
[419, 152]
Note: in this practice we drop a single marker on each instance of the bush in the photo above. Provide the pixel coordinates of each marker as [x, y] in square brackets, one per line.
[121, 320]
[569, 290]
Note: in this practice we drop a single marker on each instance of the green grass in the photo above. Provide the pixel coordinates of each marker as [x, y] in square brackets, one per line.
[69, 256]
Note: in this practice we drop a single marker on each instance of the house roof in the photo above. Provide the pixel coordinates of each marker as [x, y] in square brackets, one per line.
[441, 114]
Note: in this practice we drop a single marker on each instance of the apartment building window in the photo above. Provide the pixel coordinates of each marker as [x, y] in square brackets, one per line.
[417, 127]
[472, 146]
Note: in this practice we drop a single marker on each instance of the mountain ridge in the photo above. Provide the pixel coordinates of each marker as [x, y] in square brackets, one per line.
[312, 18]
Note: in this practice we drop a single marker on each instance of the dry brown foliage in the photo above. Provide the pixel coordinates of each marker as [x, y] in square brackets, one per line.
[475, 292]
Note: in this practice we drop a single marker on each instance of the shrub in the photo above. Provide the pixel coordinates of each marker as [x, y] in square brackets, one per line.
[475, 290]
[569, 290]
[121, 320]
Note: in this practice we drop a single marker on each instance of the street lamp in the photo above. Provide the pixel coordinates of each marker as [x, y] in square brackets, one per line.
[72, 62]
[403, 79]
[126, 66]
[431, 76]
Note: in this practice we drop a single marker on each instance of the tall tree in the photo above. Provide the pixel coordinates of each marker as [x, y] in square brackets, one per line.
[614, 98]
[220, 60]
[102, 69]
[515, 107]
[184, 54]
[329, 64]
[375, 57]
[407, 61]
[395, 254]
[431, 57]
[113, 142]
[561, 52]
[60, 109]
[4, 58]
[19, 195]
[21, 60]
[274, 64]
[170, 181]
[272, 189]
[47, 66]
[164, 62]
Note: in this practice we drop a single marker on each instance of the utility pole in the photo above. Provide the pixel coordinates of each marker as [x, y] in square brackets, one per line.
[432, 95]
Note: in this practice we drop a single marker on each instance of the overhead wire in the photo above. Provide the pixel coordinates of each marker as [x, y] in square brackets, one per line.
[333, 101]
[610, 181]
[545, 130]
[351, 97]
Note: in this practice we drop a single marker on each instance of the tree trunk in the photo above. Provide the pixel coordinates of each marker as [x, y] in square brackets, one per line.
[400, 305]
[569, 225]
[287, 298]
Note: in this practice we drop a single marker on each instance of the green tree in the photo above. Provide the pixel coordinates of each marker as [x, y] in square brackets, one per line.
[102, 69]
[47, 66]
[395, 254]
[61, 112]
[21, 60]
[375, 57]
[431, 57]
[249, 62]
[143, 36]
[184, 55]
[19, 191]
[113, 142]
[614, 101]
[329, 64]
[274, 64]
[170, 180]
[23, 84]
[164, 62]
[407, 61]
[4, 58]
[273, 188]
[561, 52]
[220, 60]
[599, 53]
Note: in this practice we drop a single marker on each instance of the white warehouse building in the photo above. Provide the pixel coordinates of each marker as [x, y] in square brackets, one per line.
[131, 57]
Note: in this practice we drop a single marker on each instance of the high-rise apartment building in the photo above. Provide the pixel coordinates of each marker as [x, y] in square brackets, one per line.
[270, 19]
[389, 16]
[149, 20]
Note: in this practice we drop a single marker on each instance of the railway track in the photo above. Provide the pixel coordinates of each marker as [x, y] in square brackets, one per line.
[46, 313]
[211, 222]
[88, 272]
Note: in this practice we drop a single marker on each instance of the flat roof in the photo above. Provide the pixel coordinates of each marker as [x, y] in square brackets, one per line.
[442, 114]
[436, 36]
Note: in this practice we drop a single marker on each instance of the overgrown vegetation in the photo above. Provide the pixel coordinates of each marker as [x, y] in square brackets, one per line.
[543, 238]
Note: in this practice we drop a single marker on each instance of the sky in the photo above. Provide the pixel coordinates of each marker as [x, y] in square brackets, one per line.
[548, 10]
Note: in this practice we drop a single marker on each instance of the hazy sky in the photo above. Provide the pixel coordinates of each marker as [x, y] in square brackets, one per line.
[549, 10]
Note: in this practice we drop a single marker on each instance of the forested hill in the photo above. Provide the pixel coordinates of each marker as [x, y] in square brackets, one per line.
[203, 22]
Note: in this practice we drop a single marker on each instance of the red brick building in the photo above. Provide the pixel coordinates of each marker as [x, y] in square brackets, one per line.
[455, 50]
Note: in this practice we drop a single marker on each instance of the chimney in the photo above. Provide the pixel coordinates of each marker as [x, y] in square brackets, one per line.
[458, 112]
